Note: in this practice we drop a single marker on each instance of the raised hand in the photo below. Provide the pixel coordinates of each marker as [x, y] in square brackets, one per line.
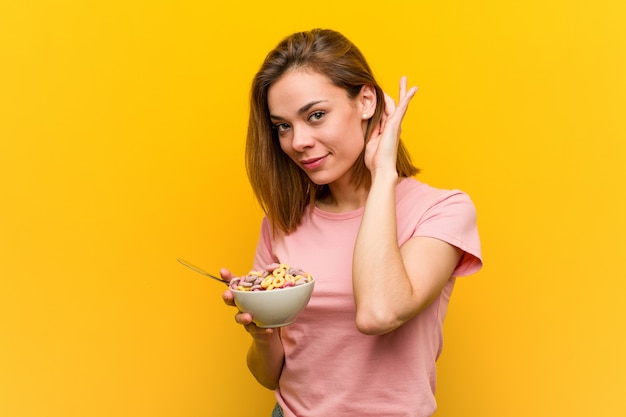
[382, 148]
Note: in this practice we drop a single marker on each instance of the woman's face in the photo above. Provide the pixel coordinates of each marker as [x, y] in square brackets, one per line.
[319, 127]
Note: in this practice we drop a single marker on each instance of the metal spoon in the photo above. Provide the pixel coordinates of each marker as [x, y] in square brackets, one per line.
[200, 271]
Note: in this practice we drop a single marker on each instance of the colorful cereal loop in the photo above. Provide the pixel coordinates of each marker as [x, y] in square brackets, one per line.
[279, 272]
[278, 282]
[267, 282]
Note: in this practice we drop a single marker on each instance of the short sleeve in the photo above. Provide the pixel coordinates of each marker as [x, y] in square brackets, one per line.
[264, 254]
[452, 219]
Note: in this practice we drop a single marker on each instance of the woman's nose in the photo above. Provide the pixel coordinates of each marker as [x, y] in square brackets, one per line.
[302, 138]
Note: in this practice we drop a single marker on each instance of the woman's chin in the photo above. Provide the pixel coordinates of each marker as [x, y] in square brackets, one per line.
[319, 179]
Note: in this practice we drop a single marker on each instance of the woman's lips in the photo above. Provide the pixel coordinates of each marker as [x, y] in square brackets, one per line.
[312, 163]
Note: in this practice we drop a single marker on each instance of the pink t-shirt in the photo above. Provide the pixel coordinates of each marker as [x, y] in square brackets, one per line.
[331, 369]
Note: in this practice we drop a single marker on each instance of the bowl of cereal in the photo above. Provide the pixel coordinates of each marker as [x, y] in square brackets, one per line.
[274, 296]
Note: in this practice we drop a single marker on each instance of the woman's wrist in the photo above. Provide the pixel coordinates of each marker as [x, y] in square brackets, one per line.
[384, 176]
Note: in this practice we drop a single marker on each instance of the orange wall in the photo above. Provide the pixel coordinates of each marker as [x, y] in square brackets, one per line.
[121, 141]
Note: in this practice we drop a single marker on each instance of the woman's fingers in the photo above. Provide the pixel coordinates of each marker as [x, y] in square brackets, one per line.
[402, 86]
[399, 109]
[390, 105]
[404, 93]
[226, 274]
[390, 108]
[253, 329]
[407, 96]
[243, 318]
[228, 298]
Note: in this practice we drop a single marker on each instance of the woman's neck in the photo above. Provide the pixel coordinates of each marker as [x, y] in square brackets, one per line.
[343, 199]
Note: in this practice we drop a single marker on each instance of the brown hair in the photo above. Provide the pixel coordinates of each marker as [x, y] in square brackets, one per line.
[281, 187]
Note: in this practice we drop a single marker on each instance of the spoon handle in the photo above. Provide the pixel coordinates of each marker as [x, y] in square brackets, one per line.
[201, 271]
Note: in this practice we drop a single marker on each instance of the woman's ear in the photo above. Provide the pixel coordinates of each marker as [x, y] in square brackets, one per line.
[367, 101]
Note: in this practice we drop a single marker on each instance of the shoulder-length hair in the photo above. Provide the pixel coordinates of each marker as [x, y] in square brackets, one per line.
[283, 190]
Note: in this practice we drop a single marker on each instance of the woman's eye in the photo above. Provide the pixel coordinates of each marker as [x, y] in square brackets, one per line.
[314, 117]
[281, 127]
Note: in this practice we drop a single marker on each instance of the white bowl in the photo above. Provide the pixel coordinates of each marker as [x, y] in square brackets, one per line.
[275, 308]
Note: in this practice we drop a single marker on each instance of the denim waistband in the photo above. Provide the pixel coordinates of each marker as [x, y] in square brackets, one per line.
[277, 412]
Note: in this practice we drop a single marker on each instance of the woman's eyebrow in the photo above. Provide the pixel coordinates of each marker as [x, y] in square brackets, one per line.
[301, 110]
[307, 106]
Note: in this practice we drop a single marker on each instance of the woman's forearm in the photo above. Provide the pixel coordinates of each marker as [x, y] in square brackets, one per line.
[265, 360]
[382, 289]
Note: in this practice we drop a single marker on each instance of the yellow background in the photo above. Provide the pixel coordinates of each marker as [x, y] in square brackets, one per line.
[122, 126]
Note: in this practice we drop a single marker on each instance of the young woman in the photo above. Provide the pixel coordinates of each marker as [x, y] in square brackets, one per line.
[326, 162]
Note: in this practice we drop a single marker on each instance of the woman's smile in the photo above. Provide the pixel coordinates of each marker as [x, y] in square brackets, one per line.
[312, 163]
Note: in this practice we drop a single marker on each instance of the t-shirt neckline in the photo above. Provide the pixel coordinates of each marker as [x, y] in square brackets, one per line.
[347, 214]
